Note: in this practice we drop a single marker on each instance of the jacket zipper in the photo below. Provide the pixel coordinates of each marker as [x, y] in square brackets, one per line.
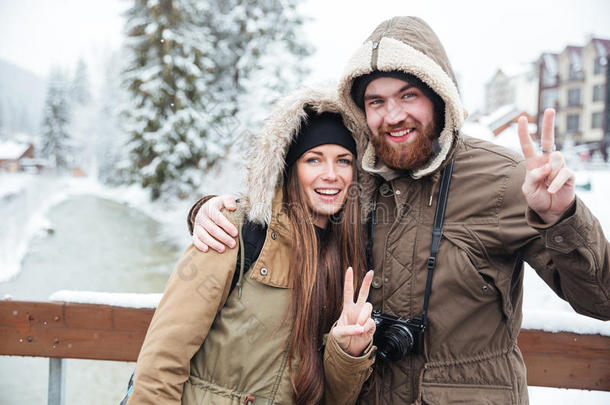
[376, 45]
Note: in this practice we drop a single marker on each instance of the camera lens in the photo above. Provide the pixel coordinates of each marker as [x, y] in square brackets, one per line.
[398, 342]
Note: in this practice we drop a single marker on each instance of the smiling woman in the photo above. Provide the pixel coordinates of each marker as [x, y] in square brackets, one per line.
[301, 168]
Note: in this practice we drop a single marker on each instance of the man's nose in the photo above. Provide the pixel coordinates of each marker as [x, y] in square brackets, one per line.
[395, 113]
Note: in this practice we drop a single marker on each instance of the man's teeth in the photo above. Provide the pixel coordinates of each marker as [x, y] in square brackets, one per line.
[401, 132]
[326, 191]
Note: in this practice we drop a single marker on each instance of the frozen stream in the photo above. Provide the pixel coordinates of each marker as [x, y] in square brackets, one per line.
[95, 245]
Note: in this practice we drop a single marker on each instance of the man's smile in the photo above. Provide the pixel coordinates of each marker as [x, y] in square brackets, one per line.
[400, 135]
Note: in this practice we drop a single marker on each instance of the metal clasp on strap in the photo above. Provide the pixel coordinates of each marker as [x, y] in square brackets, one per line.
[431, 263]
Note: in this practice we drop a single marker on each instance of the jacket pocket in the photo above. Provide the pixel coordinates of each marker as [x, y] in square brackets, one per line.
[473, 274]
[463, 394]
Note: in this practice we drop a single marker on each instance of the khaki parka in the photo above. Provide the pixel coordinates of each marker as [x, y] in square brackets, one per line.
[207, 345]
[475, 312]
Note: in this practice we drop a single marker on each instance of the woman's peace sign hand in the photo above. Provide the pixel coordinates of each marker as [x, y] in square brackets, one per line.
[549, 184]
[355, 328]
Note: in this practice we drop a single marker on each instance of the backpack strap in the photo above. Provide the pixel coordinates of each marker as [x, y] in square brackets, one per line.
[251, 241]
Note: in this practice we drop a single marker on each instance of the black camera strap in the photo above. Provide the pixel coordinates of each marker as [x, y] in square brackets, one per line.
[437, 232]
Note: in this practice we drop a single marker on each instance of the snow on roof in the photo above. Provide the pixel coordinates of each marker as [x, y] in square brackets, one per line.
[12, 150]
[575, 55]
[500, 116]
[509, 138]
[551, 63]
[602, 46]
[129, 300]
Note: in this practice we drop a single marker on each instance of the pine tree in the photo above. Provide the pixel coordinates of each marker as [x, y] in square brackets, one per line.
[55, 142]
[81, 89]
[168, 124]
[259, 54]
[191, 63]
[109, 138]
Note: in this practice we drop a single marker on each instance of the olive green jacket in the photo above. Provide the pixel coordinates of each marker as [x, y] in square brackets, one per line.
[206, 346]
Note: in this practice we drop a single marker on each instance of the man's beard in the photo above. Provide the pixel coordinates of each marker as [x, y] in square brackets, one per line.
[405, 156]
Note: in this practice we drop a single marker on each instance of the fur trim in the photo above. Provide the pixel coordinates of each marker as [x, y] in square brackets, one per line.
[265, 160]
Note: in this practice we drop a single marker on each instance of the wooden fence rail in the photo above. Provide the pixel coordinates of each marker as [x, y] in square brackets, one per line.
[103, 332]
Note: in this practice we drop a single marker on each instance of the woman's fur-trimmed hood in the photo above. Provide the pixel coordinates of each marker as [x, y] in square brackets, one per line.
[409, 45]
[268, 148]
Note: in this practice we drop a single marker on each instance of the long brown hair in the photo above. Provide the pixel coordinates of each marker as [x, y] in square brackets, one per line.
[317, 275]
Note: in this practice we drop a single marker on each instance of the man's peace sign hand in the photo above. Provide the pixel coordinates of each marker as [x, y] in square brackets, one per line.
[549, 184]
[355, 328]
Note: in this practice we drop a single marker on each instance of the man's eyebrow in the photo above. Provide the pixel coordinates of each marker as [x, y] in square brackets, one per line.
[374, 96]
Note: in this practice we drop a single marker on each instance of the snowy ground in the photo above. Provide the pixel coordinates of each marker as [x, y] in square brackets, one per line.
[25, 199]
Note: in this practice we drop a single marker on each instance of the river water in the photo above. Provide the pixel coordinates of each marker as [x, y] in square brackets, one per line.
[95, 245]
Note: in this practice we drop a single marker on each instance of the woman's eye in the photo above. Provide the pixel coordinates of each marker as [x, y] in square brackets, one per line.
[408, 95]
[345, 161]
[312, 160]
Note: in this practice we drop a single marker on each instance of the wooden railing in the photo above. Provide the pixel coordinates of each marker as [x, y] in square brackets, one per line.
[102, 332]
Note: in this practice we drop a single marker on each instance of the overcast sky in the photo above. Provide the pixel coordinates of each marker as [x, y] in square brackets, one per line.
[479, 36]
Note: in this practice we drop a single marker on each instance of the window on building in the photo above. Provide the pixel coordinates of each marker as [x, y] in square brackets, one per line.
[575, 72]
[573, 97]
[598, 92]
[549, 99]
[596, 120]
[573, 122]
[597, 66]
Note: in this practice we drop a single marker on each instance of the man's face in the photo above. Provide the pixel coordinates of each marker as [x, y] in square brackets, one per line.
[401, 119]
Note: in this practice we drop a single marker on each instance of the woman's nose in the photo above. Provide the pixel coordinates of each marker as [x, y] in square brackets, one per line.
[330, 172]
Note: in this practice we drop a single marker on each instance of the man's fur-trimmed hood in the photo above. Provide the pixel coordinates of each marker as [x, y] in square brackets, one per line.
[409, 45]
[268, 149]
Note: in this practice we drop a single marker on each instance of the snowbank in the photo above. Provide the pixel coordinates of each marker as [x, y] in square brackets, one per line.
[562, 321]
[127, 300]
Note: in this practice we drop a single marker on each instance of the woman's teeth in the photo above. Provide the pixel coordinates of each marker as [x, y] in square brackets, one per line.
[325, 191]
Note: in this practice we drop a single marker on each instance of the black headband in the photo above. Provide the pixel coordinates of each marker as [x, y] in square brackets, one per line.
[320, 129]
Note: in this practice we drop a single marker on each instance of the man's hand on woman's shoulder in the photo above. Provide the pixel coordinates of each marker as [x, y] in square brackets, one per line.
[211, 228]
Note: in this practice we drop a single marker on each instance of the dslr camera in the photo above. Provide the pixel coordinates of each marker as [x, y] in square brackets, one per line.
[396, 337]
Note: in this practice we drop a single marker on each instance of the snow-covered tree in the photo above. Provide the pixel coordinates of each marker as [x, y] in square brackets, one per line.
[81, 89]
[259, 53]
[167, 121]
[110, 139]
[55, 139]
[191, 62]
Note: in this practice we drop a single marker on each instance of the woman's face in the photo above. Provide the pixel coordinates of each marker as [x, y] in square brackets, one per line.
[325, 173]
